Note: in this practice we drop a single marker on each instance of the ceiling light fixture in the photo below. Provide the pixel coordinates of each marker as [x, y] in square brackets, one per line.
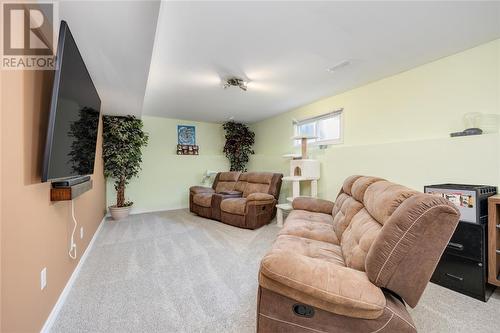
[235, 82]
[338, 66]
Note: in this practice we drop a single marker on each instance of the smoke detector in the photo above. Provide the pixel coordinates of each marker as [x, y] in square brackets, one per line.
[235, 82]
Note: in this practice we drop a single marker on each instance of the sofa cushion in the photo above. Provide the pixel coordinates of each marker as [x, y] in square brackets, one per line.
[344, 210]
[310, 248]
[358, 238]
[360, 185]
[258, 182]
[255, 188]
[383, 198]
[234, 205]
[346, 187]
[203, 199]
[224, 186]
[241, 183]
[260, 197]
[309, 216]
[311, 230]
[314, 273]
[260, 177]
[230, 176]
[339, 202]
[226, 181]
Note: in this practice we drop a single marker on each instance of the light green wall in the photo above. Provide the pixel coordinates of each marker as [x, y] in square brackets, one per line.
[398, 128]
[166, 177]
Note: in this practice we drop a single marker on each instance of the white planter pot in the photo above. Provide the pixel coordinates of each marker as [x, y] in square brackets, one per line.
[118, 213]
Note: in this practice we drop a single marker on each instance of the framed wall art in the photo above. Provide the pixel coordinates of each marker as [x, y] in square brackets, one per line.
[186, 140]
[186, 135]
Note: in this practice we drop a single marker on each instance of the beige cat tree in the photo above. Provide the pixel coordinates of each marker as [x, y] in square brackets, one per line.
[302, 169]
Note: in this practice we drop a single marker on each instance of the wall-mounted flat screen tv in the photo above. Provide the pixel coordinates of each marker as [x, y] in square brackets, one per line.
[74, 115]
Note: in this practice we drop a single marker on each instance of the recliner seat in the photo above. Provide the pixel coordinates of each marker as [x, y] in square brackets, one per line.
[354, 263]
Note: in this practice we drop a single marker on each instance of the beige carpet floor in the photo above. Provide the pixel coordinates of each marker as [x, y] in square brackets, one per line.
[176, 272]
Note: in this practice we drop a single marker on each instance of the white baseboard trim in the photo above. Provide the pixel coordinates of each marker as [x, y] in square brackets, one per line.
[64, 294]
[142, 211]
[136, 211]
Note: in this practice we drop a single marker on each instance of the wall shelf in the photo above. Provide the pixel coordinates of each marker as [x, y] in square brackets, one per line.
[494, 240]
[70, 192]
[298, 178]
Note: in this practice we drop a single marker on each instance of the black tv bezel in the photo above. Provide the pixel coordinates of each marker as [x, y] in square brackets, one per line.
[63, 31]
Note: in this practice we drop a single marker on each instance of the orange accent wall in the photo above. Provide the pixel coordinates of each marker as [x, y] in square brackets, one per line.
[35, 232]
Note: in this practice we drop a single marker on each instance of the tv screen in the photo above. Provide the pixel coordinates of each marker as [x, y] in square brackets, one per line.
[74, 115]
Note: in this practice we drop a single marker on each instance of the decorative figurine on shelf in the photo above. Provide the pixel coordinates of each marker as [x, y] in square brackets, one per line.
[188, 149]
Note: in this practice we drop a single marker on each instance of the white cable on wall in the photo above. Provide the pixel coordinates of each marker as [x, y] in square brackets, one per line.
[72, 248]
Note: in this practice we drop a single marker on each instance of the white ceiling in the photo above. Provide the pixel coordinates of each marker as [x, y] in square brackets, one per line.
[116, 41]
[284, 48]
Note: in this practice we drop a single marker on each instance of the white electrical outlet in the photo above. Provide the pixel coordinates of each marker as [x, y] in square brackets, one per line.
[43, 278]
[81, 232]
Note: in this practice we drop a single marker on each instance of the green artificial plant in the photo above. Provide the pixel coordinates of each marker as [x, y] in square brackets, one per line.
[123, 139]
[239, 142]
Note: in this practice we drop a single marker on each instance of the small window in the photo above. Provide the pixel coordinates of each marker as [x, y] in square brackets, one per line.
[327, 128]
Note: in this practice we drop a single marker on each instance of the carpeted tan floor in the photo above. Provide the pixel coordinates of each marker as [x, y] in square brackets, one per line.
[443, 310]
[176, 272]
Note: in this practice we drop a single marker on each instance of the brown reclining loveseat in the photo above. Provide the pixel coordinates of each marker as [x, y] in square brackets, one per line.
[351, 265]
[246, 200]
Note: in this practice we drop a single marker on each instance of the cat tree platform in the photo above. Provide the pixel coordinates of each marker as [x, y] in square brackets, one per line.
[301, 169]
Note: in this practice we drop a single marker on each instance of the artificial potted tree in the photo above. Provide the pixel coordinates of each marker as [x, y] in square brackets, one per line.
[123, 139]
[239, 142]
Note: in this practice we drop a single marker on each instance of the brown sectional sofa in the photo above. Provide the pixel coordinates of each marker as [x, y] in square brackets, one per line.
[245, 200]
[351, 265]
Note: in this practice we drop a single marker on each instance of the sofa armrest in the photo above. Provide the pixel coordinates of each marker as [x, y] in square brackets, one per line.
[260, 197]
[313, 205]
[326, 285]
[200, 189]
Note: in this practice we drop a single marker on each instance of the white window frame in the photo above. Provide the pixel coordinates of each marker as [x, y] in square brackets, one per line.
[318, 142]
